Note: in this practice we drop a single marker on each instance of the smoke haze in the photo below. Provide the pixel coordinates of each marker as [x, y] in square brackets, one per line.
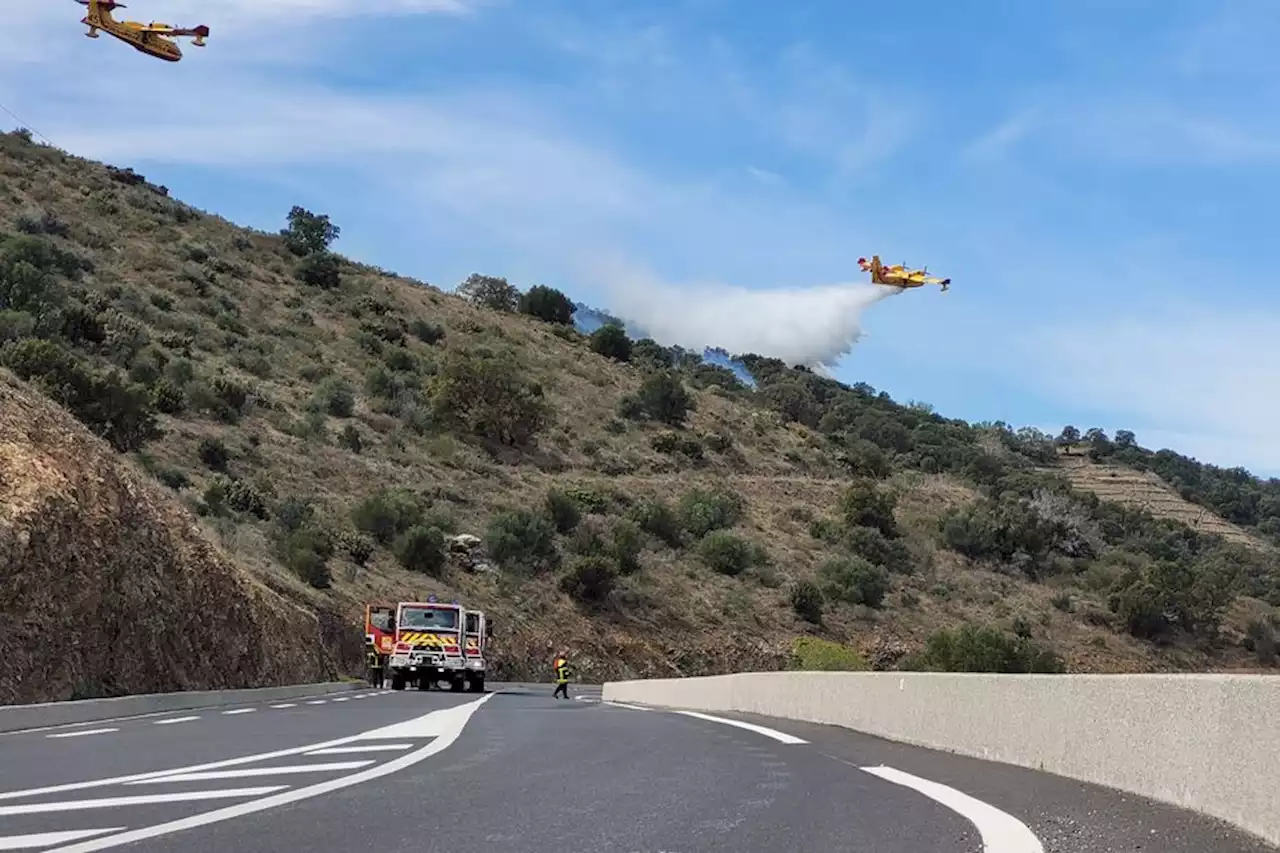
[814, 326]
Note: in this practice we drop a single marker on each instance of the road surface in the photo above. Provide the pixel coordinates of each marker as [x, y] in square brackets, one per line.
[516, 770]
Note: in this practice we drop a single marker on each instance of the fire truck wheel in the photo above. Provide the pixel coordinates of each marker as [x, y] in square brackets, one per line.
[397, 682]
[476, 685]
[456, 684]
[424, 683]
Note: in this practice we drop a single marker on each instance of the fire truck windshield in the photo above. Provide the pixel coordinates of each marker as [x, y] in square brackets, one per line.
[429, 618]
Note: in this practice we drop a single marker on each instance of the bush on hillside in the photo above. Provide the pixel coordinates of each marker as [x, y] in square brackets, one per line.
[662, 397]
[548, 305]
[485, 394]
[309, 233]
[817, 654]
[320, 269]
[727, 554]
[854, 580]
[611, 341]
[491, 292]
[702, 511]
[807, 601]
[522, 541]
[873, 546]
[421, 549]
[659, 520]
[983, 649]
[334, 397]
[589, 580]
[388, 513]
[865, 504]
[562, 510]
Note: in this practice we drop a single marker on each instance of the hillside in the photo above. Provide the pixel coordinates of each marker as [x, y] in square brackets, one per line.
[327, 424]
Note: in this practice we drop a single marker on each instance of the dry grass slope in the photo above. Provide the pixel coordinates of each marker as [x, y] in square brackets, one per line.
[212, 307]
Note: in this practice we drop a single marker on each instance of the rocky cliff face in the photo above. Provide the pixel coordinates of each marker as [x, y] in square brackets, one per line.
[108, 587]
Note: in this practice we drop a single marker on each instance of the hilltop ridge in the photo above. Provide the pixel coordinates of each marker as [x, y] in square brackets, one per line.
[329, 424]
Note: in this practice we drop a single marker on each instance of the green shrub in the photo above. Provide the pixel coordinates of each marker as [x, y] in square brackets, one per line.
[865, 504]
[563, 510]
[627, 543]
[817, 654]
[872, 545]
[387, 514]
[421, 549]
[611, 341]
[983, 649]
[548, 305]
[428, 333]
[702, 511]
[349, 438]
[491, 292]
[309, 233]
[662, 397]
[853, 580]
[521, 540]
[485, 394]
[320, 269]
[589, 580]
[213, 454]
[306, 553]
[657, 519]
[725, 553]
[359, 548]
[807, 601]
[334, 397]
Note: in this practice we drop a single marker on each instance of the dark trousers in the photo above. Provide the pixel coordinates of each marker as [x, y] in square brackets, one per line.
[562, 687]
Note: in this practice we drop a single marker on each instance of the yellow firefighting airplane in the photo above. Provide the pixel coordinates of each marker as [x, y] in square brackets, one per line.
[152, 39]
[898, 275]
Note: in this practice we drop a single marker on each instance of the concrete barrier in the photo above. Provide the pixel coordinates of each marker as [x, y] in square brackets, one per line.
[1210, 743]
[18, 717]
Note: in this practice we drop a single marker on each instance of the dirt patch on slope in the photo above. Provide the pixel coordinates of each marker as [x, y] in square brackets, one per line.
[107, 586]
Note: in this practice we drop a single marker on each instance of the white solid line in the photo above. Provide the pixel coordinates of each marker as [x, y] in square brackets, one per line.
[286, 705]
[625, 705]
[253, 771]
[84, 732]
[173, 720]
[751, 727]
[44, 839]
[445, 725]
[373, 747]
[239, 711]
[111, 802]
[1001, 832]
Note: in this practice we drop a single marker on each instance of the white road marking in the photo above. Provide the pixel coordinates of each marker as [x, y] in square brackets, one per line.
[625, 705]
[317, 701]
[1001, 832]
[142, 799]
[173, 720]
[444, 726]
[342, 699]
[84, 732]
[751, 727]
[286, 705]
[373, 747]
[253, 771]
[44, 839]
[238, 711]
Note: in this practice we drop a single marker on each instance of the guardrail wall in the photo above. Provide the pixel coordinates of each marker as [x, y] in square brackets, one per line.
[1210, 743]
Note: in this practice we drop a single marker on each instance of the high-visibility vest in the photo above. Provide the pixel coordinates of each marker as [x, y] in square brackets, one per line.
[562, 671]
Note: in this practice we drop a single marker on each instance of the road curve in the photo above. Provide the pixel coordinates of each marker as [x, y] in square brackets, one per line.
[516, 770]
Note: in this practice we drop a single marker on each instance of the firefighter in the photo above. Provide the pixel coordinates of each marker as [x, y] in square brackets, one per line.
[376, 671]
[562, 675]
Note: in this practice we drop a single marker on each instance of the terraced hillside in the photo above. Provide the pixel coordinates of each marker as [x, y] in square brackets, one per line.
[325, 425]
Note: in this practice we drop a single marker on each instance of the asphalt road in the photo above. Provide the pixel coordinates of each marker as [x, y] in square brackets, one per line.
[516, 770]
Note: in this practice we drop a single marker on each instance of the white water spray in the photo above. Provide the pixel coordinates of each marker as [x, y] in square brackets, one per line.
[813, 326]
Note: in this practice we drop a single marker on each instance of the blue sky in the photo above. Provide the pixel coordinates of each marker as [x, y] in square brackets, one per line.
[1097, 176]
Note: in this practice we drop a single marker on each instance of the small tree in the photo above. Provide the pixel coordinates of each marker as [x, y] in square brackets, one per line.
[490, 292]
[548, 305]
[309, 233]
[864, 504]
[611, 341]
[421, 549]
[483, 393]
[320, 269]
[662, 397]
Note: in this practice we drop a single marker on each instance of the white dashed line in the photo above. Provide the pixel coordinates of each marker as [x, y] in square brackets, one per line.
[253, 771]
[112, 802]
[783, 737]
[83, 732]
[342, 699]
[1001, 832]
[173, 720]
[239, 711]
[286, 705]
[317, 701]
[373, 747]
[48, 839]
